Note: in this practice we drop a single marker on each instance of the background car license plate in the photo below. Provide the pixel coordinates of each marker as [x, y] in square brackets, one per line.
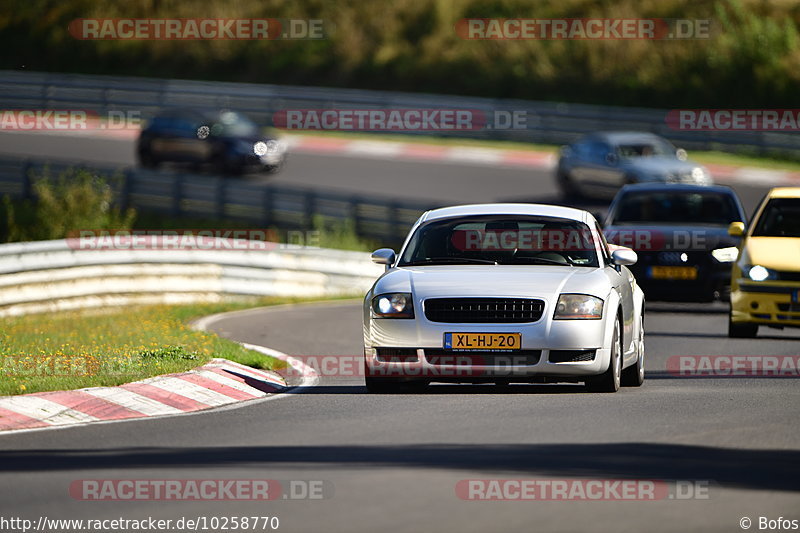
[482, 341]
[669, 272]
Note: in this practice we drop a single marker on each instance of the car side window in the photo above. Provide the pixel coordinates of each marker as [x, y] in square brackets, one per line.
[581, 149]
[598, 151]
[604, 251]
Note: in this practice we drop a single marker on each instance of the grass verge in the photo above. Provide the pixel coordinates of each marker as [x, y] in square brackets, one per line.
[90, 348]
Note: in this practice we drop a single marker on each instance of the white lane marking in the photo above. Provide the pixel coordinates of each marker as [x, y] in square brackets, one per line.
[192, 391]
[375, 148]
[230, 382]
[44, 410]
[475, 155]
[133, 401]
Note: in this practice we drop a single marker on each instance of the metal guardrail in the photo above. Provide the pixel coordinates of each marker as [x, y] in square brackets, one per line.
[227, 198]
[54, 276]
[547, 122]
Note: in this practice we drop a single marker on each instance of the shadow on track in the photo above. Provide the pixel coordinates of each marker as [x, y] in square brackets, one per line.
[465, 388]
[744, 468]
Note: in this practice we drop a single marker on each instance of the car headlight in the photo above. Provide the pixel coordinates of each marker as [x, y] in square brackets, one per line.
[578, 307]
[260, 148]
[393, 305]
[758, 273]
[725, 255]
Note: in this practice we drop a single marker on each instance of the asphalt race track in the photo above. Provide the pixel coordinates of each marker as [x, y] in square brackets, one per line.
[391, 463]
[445, 182]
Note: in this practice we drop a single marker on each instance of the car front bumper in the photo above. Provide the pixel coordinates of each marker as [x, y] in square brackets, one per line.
[769, 303]
[570, 341]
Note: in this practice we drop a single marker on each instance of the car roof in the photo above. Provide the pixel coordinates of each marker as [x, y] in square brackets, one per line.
[546, 210]
[784, 192]
[617, 137]
[683, 187]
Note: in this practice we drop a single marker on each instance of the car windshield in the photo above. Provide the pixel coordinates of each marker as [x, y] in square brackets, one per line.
[676, 207]
[649, 148]
[230, 124]
[780, 218]
[505, 240]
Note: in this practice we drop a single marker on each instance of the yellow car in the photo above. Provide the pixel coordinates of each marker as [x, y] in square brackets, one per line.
[765, 280]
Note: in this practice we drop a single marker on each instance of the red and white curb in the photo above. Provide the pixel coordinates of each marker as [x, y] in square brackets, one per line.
[215, 384]
[411, 151]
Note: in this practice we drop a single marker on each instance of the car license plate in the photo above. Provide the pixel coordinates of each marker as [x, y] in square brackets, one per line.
[482, 341]
[669, 272]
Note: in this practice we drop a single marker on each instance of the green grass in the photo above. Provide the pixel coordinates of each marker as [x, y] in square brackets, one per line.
[705, 157]
[76, 349]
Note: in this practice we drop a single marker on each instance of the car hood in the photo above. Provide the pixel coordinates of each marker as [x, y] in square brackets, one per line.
[658, 164]
[662, 237]
[778, 253]
[538, 281]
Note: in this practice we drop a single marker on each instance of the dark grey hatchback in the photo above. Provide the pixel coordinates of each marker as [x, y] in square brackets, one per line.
[597, 165]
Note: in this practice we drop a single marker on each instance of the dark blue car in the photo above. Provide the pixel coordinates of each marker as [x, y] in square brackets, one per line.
[680, 233]
[226, 141]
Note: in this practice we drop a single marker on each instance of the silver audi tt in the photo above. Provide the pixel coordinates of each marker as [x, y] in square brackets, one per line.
[504, 293]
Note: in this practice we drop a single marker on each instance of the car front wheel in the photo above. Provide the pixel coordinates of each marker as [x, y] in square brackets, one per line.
[633, 376]
[741, 331]
[609, 381]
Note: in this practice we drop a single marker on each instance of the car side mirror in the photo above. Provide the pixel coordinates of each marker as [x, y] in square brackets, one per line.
[611, 158]
[624, 256]
[736, 229]
[384, 256]
[681, 154]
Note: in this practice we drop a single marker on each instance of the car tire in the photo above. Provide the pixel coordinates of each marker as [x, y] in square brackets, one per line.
[274, 169]
[741, 330]
[609, 381]
[568, 187]
[633, 376]
[146, 160]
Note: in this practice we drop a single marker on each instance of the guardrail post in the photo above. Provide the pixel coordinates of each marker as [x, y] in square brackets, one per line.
[309, 207]
[222, 197]
[125, 190]
[394, 221]
[266, 207]
[177, 194]
[27, 185]
[354, 215]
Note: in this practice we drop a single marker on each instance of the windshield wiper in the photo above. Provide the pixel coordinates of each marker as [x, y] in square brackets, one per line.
[542, 260]
[434, 260]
